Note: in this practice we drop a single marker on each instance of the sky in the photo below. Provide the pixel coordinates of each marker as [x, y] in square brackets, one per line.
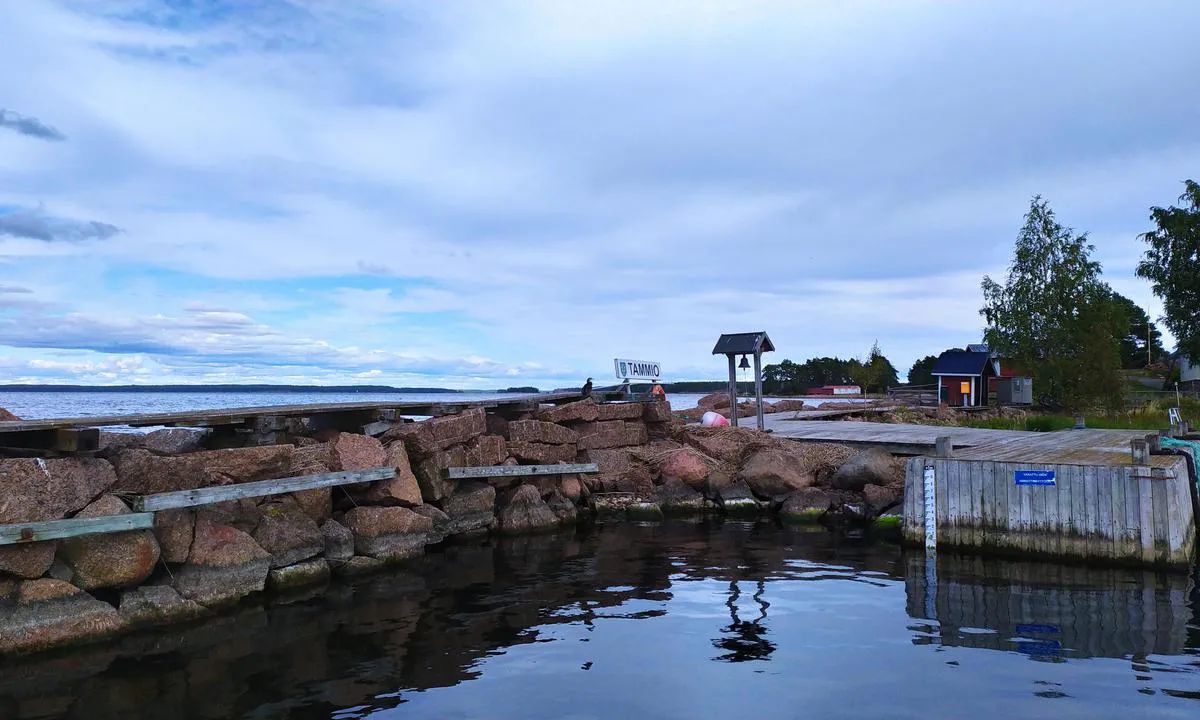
[491, 193]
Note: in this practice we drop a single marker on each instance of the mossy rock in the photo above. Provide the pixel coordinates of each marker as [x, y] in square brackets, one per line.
[811, 516]
[644, 511]
[888, 526]
[741, 508]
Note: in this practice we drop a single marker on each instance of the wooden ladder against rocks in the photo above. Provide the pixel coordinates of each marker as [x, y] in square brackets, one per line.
[465, 473]
[144, 506]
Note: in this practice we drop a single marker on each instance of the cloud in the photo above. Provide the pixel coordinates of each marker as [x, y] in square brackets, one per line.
[403, 186]
[37, 225]
[30, 126]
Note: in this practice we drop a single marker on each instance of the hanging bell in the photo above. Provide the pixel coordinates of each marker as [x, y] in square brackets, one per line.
[745, 364]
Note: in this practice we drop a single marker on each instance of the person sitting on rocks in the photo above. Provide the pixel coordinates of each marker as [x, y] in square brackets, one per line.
[657, 392]
[587, 389]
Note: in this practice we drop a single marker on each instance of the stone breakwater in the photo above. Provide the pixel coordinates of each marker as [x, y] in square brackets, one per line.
[197, 561]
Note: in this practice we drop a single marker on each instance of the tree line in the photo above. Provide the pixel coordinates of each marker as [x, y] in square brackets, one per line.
[874, 374]
[1054, 316]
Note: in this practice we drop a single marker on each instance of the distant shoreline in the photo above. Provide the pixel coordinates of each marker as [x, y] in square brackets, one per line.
[245, 389]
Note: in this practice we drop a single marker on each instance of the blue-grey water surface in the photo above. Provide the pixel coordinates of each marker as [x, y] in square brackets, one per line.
[671, 620]
[34, 405]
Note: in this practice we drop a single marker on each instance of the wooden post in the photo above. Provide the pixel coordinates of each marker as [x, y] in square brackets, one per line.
[944, 447]
[1140, 451]
[762, 424]
[1154, 442]
[733, 408]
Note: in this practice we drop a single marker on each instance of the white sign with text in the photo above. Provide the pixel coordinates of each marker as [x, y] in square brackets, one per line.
[637, 369]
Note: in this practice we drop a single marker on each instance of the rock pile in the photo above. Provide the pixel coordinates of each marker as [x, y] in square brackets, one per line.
[198, 560]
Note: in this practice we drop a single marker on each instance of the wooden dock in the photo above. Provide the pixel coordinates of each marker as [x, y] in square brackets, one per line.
[81, 434]
[896, 438]
[1075, 494]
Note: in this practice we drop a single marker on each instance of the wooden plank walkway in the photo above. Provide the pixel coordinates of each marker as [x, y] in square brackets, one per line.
[234, 416]
[1108, 448]
[896, 438]
[1066, 447]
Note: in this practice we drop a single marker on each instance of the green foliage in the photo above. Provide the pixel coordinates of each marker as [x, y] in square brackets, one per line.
[1133, 340]
[920, 372]
[1149, 417]
[1054, 316]
[875, 375]
[1172, 265]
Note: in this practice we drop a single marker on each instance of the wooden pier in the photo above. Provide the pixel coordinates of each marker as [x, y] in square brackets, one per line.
[896, 438]
[81, 434]
[1076, 494]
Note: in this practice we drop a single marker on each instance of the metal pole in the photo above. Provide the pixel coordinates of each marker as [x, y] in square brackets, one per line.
[733, 408]
[762, 425]
[1148, 360]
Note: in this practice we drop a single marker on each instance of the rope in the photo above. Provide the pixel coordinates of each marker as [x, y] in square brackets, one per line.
[1191, 447]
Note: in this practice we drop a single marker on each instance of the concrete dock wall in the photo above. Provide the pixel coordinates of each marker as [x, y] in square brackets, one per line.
[1117, 513]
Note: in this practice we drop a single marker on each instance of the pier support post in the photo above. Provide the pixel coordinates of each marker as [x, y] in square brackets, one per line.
[733, 404]
[1140, 451]
[944, 447]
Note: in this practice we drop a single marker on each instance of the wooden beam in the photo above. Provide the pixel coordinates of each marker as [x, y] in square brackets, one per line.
[463, 473]
[376, 428]
[18, 533]
[233, 416]
[222, 493]
[61, 440]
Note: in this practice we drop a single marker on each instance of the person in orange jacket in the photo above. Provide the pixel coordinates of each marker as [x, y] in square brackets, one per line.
[658, 392]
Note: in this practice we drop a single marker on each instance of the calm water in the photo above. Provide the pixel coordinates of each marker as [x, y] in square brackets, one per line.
[35, 405]
[673, 620]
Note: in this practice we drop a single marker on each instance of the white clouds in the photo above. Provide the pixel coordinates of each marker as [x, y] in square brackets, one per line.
[556, 183]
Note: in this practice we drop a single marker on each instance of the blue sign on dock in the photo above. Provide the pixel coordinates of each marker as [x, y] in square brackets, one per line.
[1033, 477]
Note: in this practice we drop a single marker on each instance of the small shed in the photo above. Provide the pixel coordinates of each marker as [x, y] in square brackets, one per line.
[753, 343]
[963, 377]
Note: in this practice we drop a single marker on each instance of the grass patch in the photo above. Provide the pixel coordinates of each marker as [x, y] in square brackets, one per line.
[1149, 417]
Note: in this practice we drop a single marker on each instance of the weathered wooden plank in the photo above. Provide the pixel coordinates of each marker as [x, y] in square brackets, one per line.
[18, 533]
[59, 439]
[1028, 541]
[204, 418]
[376, 428]
[913, 468]
[1049, 523]
[1082, 519]
[1133, 515]
[462, 473]
[976, 491]
[1162, 533]
[1091, 511]
[1116, 511]
[222, 493]
[949, 486]
[945, 528]
[1004, 497]
[1146, 521]
[989, 504]
[1066, 526]
[1037, 520]
[1180, 513]
[1104, 517]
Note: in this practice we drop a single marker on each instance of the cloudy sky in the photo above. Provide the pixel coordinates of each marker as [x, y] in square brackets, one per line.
[491, 193]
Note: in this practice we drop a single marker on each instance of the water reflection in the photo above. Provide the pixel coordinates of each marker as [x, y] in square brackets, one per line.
[623, 620]
[744, 640]
[1046, 611]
